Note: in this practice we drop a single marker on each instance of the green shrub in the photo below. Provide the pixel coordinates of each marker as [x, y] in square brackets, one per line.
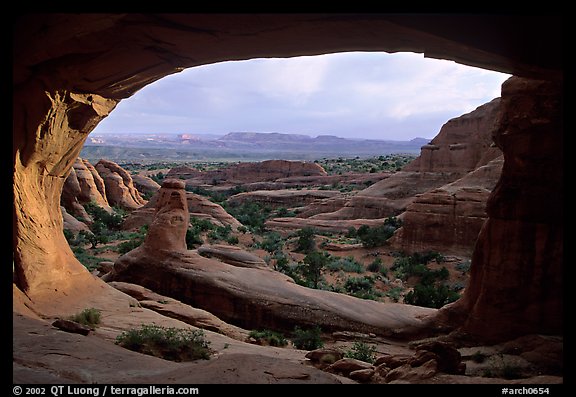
[307, 339]
[376, 266]
[362, 351]
[464, 267]
[349, 265]
[272, 242]
[127, 246]
[306, 241]
[89, 317]
[201, 225]
[173, 344]
[193, 238]
[90, 262]
[395, 293]
[314, 263]
[233, 240]
[220, 233]
[361, 287]
[270, 338]
[430, 295]
[377, 236]
[250, 214]
[69, 236]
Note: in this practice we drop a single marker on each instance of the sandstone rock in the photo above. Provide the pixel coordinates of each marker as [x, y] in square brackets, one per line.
[324, 356]
[392, 361]
[515, 283]
[340, 226]
[71, 326]
[145, 185]
[448, 358]
[283, 198]
[463, 144]
[347, 365]
[390, 196]
[421, 357]
[198, 206]
[248, 297]
[242, 173]
[362, 375]
[413, 374]
[71, 223]
[105, 266]
[83, 185]
[69, 198]
[448, 219]
[175, 309]
[92, 187]
[234, 256]
[120, 188]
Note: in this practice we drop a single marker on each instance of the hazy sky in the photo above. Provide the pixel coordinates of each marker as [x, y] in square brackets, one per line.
[356, 95]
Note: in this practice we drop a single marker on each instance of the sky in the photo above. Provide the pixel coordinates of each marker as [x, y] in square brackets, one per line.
[352, 95]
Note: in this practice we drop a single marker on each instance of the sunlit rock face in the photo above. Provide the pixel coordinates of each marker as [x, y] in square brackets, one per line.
[120, 189]
[70, 71]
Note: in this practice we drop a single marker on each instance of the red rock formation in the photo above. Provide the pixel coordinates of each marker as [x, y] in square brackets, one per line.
[83, 185]
[283, 198]
[198, 206]
[448, 219]
[242, 173]
[463, 144]
[145, 185]
[516, 283]
[249, 297]
[120, 188]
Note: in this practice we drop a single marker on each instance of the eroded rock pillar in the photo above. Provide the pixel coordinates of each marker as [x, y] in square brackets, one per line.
[516, 276]
[48, 133]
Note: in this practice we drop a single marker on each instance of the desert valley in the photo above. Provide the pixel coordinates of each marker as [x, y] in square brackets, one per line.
[284, 259]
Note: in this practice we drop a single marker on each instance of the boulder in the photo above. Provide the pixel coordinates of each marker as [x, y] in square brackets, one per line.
[71, 326]
[413, 374]
[175, 309]
[447, 357]
[145, 185]
[362, 375]
[347, 365]
[71, 223]
[324, 356]
[120, 190]
[234, 256]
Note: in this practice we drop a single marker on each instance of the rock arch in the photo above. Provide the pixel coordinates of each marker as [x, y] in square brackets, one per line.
[70, 71]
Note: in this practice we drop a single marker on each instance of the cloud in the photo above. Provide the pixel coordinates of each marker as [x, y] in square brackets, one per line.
[372, 95]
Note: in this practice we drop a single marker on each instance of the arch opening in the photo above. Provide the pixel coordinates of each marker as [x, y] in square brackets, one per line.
[72, 75]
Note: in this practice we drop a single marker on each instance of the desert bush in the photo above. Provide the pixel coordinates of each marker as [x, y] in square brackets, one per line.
[270, 338]
[306, 241]
[349, 265]
[89, 317]
[272, 242]
[430, 295]
[362, 351]
[377, 236]
[314, 263]
[307, 339]
[175, 344]
[361, 287]
[376, 266]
